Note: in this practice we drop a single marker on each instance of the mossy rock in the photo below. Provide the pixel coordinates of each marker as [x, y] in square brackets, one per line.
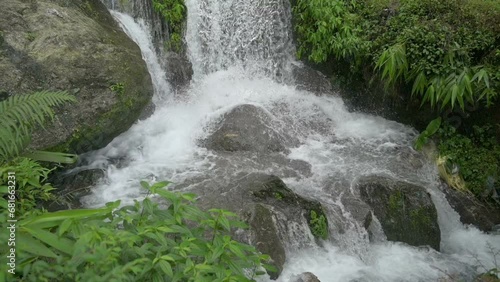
[75, 46]
[279, 219]
[266, 239]
[275, 192]
[405, 211]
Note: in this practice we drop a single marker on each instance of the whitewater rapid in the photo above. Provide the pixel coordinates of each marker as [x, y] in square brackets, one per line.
[337, 144]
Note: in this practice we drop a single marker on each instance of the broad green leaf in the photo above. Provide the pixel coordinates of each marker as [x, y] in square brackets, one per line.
[29, 244]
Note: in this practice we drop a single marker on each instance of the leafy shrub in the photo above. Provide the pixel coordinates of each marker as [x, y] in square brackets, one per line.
[30, 184]
[174, 12]
[318, 225]
[477, 157]
[20, 114]
[444, 50]
[141, 242]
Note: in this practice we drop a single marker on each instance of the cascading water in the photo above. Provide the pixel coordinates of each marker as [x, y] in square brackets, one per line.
[241, 51]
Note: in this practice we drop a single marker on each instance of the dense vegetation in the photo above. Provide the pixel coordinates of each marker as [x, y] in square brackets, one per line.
[174, 12]
[146, 242]
[137, 242]
[447, 51]
[444, 53]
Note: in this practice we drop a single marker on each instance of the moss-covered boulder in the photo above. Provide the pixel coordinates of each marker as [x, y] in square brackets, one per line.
[74, 46]
[405, 211]
[279, 219]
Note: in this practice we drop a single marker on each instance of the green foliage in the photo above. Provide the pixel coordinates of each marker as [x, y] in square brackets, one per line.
[278, 196]
[431, 129]
[118, 88]
[30, 184]
[318, 225]
[20, 113]
[328, 28]
[140, 242]
[174, 12]
[477, 156]
[447, 51]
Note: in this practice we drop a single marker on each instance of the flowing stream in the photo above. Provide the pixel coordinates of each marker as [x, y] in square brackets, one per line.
[242, 53]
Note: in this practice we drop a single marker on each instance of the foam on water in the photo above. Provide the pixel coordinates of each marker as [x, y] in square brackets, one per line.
[340, 146]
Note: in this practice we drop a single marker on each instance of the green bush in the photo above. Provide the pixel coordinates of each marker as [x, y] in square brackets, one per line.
[174, 12]
[477, 157]
[318, 225]
[31, 186]
[446, 51]
[140, 242]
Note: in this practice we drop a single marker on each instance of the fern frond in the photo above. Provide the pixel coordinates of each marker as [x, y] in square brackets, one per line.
[20, 113]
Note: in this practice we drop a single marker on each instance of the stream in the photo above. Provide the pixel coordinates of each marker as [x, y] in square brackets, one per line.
[242, 53]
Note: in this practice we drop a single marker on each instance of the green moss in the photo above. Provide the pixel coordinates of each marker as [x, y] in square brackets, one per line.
[278, 196]
[118, 88]
[397, 210]
[30, 36]
[419, 217]
[318, 224]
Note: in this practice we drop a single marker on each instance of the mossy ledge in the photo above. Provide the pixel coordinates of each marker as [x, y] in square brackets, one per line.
[277, 192]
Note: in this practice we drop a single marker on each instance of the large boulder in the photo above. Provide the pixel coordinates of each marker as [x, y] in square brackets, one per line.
[306, 277]
[74, 46]
[309, 79]
[405, 211]
[279, 219]
[482, 215]
[245, 128]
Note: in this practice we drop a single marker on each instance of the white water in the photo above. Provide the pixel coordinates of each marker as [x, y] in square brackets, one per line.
[340, 146]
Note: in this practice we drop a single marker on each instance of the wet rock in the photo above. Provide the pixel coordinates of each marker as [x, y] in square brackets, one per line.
[305, 277]
[279, 218]
[74, 46]
[266, 238]
[306, 78]
[179, 70]
[73, 185]
[482, 215]
[245, 128]
[405, 211]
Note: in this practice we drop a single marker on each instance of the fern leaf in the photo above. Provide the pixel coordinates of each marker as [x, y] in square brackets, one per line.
[20, 113]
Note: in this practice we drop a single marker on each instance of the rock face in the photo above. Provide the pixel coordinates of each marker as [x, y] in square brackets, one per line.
[306, 78]
[72, 186]
[306, 277]
[276, 215]
[245, 128]
[179, 70]
[471, 211]
[405, 211]
[74, 46]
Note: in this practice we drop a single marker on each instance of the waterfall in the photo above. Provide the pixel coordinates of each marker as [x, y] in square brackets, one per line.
[242, 53]
[252, 34]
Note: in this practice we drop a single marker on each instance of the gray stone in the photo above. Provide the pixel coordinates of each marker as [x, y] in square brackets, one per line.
[271, 209]
[405, 211]
[305, 277]
[480, 214]
[245, 128]
[179, 70]
[67, 45]
[306, 78]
